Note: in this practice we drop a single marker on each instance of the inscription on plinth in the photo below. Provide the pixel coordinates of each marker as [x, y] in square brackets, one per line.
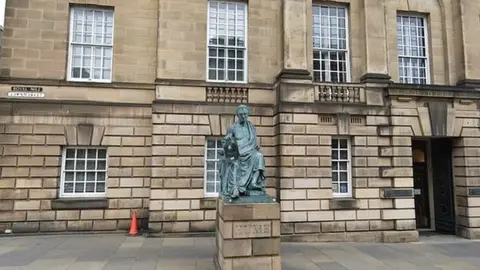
[245, 240]
[252, 229]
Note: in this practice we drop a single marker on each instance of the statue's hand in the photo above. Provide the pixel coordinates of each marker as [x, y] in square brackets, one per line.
[258, 147]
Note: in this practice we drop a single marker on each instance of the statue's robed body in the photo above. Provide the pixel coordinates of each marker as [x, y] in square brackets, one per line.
[243, 168]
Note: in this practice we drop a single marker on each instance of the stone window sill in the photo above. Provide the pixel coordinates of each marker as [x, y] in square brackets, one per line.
[79, 203]
[343, 204]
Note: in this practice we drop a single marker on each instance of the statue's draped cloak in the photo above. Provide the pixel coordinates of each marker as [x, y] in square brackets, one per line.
[250, 160]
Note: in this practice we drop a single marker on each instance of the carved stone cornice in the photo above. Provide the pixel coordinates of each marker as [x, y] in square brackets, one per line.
[53, 82]
[201, 83]
[433, 91]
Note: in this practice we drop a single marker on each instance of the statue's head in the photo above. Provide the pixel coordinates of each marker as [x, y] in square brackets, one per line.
[242, 113]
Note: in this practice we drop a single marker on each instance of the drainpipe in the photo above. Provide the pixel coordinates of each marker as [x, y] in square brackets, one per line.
[2, 22]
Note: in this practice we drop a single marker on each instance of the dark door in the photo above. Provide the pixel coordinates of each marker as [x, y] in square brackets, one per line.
[443, 185]
[420, 184]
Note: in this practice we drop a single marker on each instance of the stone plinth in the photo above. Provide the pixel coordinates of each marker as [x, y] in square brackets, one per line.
[247, 236]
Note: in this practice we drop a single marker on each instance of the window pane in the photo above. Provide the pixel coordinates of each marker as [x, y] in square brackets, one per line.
[343, 188]
[102, 153]
[106, 74]
[221, 75]
[85, 73]
[101, 165]
[79, 187]
[329, 43]
[79, 177]
[76, 72]
[69, 165]
[240, 76]
[80, 165]
[68, 188]
[92, 33]
[100, 187]
[210, 165]
[211, 144]
[335, 155]
[334, 166]
[90, 187]
[211, 176]
[90, 176]
[92, 153]
[210, 154]
[70, 153]
[80, 171]
[212, 74]
[231, 75]
[210, 187]
[101, 176]
[226, 30]
[81, 153]
[412, 50]
[340, 166]
[335, 177]
[91, 165]
[335, 187]
[69, 176]
[212, 63]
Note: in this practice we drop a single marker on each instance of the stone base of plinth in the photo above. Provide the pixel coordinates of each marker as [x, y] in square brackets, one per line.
[247, 236]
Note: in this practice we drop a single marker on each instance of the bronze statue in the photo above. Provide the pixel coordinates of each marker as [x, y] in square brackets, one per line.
[242, 166]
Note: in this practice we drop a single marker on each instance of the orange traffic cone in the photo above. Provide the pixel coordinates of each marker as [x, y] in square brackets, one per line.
[133, 225]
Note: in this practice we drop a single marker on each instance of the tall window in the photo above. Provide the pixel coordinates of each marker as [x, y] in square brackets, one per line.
[412, 49]
[330, 44]
[212, 180]
[90, 45]
[341, 167]
[227, 43]
[84, 172]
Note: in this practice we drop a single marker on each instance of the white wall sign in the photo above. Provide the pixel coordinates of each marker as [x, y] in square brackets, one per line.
[26, 91]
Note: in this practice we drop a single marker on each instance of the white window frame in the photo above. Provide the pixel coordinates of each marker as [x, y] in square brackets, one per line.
[226, 47]
[427, 49]
[205, 182]
[347, 40]
[71, 43]
[84, 194]
[349, 167]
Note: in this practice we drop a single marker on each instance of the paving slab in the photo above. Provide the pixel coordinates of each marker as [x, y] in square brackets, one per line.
[121, 252]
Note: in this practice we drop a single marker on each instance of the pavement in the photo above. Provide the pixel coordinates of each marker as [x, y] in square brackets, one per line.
[120, 252]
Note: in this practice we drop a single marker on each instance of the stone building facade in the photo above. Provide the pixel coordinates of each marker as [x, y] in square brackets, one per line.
[366, 111]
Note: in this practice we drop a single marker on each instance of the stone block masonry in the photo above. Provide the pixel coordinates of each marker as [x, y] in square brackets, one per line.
[36, 33]
[158, 111]
[178, 199]
[467, 173]
[310, 211]
[247, 236]
[31, 168]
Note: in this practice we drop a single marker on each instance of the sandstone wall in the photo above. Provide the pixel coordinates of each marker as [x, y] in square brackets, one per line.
[182, 40]
[32, 136]
[307, 203]
[36, 39]
[177, 197]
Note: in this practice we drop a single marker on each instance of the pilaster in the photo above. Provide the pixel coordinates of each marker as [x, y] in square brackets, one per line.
[295, 64]
[376, 70]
